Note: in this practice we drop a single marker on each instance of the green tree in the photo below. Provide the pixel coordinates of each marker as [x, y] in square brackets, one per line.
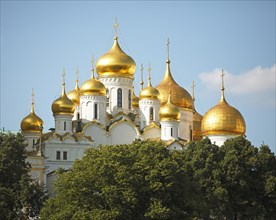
[267, 169]
[142, 180]
[17, 190]
[243, 179]
[201, 164]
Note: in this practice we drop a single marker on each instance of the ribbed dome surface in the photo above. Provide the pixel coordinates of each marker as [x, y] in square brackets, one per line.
[223, 119]
[169, 112]
[93, 87]
[116, 63]
[74, 95]
[63, 105]
[31, 123]
[149, 93]
[179, 96]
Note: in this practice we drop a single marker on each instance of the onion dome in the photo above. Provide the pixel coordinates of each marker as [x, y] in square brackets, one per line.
[179, 96]
[116, 63]
[32, 123]
[169, 112]
[223, 119]
[93, 87]
[63, 105]
[135, 100]
[149, 92]
[74, 95]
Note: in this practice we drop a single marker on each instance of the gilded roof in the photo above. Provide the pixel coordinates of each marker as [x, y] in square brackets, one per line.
[74, 95]
[169, 112]
[116, 63]
[223, 119]
[31, 123]
[179, 96]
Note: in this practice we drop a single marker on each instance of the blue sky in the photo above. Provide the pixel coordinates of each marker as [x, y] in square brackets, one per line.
[40, 38]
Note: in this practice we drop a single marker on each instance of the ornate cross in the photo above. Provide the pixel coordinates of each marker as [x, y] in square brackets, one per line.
[116, 27]
[168, 48]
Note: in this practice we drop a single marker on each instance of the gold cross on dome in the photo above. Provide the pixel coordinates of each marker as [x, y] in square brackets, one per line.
[33, 94]
[193, 90]
[63, 76]
[92, 64]
[77, 73]
[222, 79]
[149, 69]
[168, 48]
[116, 27]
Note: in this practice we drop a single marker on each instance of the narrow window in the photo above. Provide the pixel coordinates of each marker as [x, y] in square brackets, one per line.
[107, 98]
[33, 142]
[191, 133]
[151, 113]
[129, 99]
[58, 155]
[64, 155]
[96, 111]
[172, 132]
[65, 126]
[78, 116]
[119, 98]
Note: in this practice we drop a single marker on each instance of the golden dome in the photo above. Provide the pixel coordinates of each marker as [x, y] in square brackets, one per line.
[223, 119]
[135, 100]
[93, 87]
[179, 96]
[116, 63]
[149, 93]
[74, 95]
[169, 112]
[197, 119]
[63, 105]
[32, 122]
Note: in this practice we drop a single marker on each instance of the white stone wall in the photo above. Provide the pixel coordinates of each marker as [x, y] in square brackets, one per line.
[153, 132]
[63, 124]
[113, 84]
[97, 133]
[220, 139]
[76, 113]
[145, 106]
[87, 108]
[31, 139]
[169, 130]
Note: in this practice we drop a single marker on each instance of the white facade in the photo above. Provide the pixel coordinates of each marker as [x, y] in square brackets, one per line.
[149, 112]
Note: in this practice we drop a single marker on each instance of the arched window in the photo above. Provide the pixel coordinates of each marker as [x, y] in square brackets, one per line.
[107, 97]
[65, 126]
[129, 99]
[172, 132]
[151, 113]
[119, 98]
[96, 111]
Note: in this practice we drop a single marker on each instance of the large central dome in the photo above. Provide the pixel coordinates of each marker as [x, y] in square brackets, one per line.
[116, 63]
[179, 96]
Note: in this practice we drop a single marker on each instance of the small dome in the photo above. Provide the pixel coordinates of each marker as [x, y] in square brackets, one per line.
[63, 105]
[149, 93]
[169, 112]
[74, 95]
[135, 100]
[223, 119]
[179, 96]
[32, 122]
[116, 63]
[93, 87]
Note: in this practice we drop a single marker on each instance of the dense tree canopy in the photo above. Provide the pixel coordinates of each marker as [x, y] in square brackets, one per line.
[138, 181]
[17, 190]
[144, 180]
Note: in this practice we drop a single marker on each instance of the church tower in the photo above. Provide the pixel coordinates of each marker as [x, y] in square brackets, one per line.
[169, 120]
[63, 110]
[180, 98]
[116, 71]
[149, 104]
[93, 99]
[222, 121]
[31, 127]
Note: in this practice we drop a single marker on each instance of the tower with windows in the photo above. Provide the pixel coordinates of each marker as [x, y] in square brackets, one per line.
[116, 71]
[63, 110]
[149, 104]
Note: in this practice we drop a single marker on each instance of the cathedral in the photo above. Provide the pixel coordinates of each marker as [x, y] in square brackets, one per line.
[105, 110]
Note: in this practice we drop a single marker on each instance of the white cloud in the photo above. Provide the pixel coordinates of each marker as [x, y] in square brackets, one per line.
[257, 80]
